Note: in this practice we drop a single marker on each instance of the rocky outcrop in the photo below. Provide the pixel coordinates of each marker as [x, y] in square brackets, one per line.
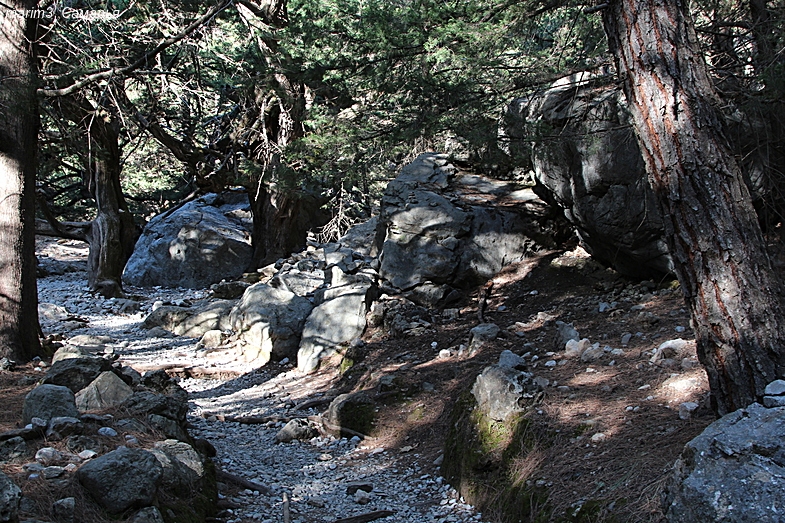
[10, 496]
[270, 322]
[201, 243]
[576, 137]
[338, 319]
[587, 161]
[734, 471]
[191, 321]
[441, 230]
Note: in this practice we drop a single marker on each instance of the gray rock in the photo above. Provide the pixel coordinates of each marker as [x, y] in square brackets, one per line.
[201, 243]
[355, 412]
[122, 479]
[509, 359]
[564, 333]
[297, 428]
[775, 388]
[773, 401]
[301, 283]
[148, 515]
[191, 322]
[69, 351]
[337, 321]
[359, 238]
[482, 334]
[734, 471]
[63, 510]
[229, 290]
[592, 354]
[181, 465]
[76, 373]
[62, 426]
[445, 229]
[49, 401]
[12, 449]
[595, 172]
[270, 321]
[502, 391]
[107, 390]
[10, 497]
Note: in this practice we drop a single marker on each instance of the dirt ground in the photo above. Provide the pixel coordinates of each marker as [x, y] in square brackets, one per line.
[633, 403]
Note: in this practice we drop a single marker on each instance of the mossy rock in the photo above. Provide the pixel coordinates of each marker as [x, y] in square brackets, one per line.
[354, 412]
[478, 457]
[197, 507]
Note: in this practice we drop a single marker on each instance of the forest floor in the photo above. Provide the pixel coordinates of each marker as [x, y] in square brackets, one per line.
[610, 429]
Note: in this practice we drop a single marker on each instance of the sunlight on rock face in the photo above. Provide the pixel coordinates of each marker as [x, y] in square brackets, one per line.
[689, 386]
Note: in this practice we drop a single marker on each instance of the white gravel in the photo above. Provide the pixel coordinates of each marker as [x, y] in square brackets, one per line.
[313, 474]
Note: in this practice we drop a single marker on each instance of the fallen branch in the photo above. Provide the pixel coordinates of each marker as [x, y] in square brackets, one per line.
[241, 482]
[363, 518]
[307, 404]
[482, 300]
[287, 517]
[331, 427]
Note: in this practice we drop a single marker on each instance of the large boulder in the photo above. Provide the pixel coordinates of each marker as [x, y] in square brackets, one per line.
[49, 401]
[122, 479]
[201, 243]
[192, 322]
[576, 136]
[107, 390]
[338, 320]
[440, 229]
[76, 373]
[734, 471]
[270, 320]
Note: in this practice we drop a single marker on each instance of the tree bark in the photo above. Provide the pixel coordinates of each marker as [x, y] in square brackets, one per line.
[711, 226]
[19, 327]
[112, 233]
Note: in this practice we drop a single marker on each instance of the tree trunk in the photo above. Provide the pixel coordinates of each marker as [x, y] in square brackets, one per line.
[710, 224]
[112, 233]
[18, 143]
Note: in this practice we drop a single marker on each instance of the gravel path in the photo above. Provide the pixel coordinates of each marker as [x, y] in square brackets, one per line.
[324, 479]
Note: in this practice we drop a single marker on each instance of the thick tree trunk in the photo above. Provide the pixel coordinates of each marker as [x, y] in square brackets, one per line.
[18, 135]
[711, 225]
[112, 233]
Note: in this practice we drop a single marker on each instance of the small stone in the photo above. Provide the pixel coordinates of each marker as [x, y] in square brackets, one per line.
[361, 497]
[775, 388]
[63, 510]
[599, 437]
[551, 363]
[686, 409]
[316, 502]
[680, 329]
[774, 401]
[625, 338]
[52, 472]
[87, 454]
[48, 455]
[107, 431]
